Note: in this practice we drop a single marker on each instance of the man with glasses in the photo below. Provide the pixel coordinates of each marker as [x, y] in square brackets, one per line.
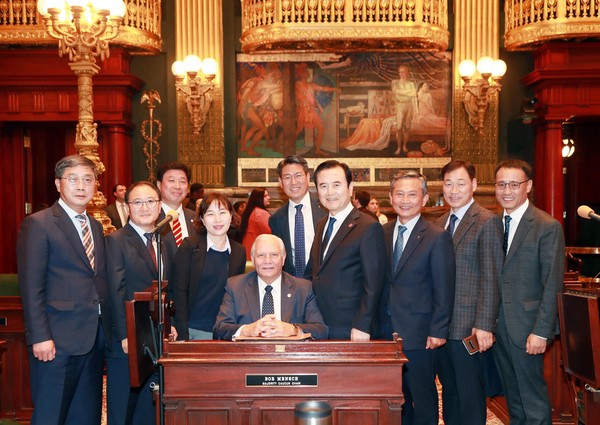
[532, 275]
[65, 296]
[295, 223]
[132, 266]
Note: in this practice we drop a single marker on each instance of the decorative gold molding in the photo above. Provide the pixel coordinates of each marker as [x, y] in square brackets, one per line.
[140, 32]
[531, 23]
[344, 25]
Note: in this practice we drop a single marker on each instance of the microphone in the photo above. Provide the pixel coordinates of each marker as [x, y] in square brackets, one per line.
[171, 215]
[586, 212]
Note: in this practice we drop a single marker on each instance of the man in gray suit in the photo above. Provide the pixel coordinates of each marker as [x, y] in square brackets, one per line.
[477, 239]
[531, 277]
[268, 302]
[296, 222]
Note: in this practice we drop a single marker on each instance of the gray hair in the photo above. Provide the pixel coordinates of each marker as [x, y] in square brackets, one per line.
[267, 236]
[409, 174]
[74, 161]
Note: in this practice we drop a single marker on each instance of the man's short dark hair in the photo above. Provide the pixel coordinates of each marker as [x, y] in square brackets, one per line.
[455, 165]
[292, 159]
[173, 166]
[332, 163]
[196, 187]
[115, 187]
[516, 163]
[141, 183]
[363, 197]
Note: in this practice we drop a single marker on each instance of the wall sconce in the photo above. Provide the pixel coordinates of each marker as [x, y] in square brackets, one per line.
[196, 90]
[478, 92]
[568, 148]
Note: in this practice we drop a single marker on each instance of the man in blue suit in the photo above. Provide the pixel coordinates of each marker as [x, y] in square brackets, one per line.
[132, 266]
[64, 291]
[268, 302]
[418, 302]
[532, 275]
[299, 216]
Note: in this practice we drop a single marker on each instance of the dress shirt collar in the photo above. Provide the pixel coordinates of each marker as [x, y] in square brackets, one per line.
[211, 244]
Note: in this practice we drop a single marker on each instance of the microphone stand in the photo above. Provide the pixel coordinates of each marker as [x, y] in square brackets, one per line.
[161, 326]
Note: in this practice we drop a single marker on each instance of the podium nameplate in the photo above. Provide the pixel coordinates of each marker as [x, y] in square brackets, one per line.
[282, 380]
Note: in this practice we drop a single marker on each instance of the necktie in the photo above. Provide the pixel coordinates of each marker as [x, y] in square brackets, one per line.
[398, 246]
[150, 247]
[177, 232]
[507, 220]
[268, 307]
[452, 223]
[327, 235]
[125, 214]
[86, 235]
[299, 248]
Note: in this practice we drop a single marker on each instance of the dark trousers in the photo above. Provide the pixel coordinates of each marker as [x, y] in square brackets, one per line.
[463, 385]
[420, 392]
[126, 405]
[68, 389]
[523, 381]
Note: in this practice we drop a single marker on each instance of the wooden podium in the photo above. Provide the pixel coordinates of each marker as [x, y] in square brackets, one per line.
[253, 383]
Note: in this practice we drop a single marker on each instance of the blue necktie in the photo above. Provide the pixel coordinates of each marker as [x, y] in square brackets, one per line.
[507, 220]
[299, 246]
[398, 246]
[450, 228]
[327, 235]
[268, 307]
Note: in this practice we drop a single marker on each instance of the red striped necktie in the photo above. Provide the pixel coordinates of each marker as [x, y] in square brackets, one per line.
[177, 232]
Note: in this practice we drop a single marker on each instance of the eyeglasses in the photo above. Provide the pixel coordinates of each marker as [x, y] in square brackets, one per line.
[87, 180]
[289, 177]
[150, 203]
[511, 185]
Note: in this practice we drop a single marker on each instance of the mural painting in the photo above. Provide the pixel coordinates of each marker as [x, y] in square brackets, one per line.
[375, 105]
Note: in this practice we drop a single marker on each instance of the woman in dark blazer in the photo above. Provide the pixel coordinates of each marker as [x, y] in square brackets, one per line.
[203, 263]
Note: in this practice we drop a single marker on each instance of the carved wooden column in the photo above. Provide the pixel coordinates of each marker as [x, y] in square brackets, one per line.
[118, 154]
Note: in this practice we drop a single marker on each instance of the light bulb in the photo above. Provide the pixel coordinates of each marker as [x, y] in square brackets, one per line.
[485, 65]
[210, 67]
[499, 68]
[466, 68]
[178, 69]
[192, 63]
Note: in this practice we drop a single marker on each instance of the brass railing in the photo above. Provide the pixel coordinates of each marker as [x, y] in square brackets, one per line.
[529, 23]
[21, 25]
[344, 25]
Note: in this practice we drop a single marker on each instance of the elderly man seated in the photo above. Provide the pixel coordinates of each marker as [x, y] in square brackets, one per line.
[268, 302]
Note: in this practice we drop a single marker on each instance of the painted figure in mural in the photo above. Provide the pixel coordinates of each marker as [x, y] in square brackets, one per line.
[426, 116]
[405, 92]
[260, 109]
[308, 109]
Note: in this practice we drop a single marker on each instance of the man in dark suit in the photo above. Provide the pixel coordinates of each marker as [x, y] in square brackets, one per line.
[348, 259]
[299, 216]
[268, 302]
[173, 179]
[64, 291]
[118, 212]
[477, 238]
[132, 266]
[418, 301]
[531, 277]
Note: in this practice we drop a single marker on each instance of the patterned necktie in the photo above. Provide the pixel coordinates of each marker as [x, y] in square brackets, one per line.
[299, 248]
[86, 236]
[177, 232]
[150, 247]
[268, 307]
[327, 235]
[125, 214]
[507, 220]
[398, 246]
[451, 224]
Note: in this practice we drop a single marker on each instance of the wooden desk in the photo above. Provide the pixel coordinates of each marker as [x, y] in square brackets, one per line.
[209, 381]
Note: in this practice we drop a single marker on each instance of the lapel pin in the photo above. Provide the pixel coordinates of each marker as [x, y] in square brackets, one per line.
[289, 295]
[351, 225]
